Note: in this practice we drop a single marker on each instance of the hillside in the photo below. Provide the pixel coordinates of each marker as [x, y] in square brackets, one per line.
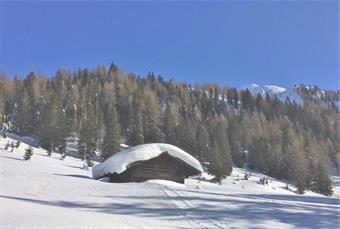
[47, 192]
[220, 126]
[298, 94]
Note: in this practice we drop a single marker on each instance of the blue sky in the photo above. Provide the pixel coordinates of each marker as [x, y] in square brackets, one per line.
[228, 42]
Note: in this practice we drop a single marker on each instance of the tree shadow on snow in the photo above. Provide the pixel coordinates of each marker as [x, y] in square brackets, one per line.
[73, 175]
[13, 158]
[310, 212]
[72, 166]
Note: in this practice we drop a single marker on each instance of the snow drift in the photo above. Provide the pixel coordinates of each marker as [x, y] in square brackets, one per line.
[119, 162]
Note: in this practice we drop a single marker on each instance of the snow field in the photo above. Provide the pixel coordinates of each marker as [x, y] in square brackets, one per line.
[47, 192]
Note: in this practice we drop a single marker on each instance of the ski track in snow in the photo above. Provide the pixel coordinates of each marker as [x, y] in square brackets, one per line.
[184, 205]
[179, 205]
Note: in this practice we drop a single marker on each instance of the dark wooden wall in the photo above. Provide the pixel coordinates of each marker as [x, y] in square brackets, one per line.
[163, 167]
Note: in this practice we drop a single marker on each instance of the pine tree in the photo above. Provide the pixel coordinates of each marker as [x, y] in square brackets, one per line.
[297, 164]
[258, 153]
[234, 140]
[17, 144]
[203, 143]
[21, 111]
[31, 116]
[230, 97]
[259, 102]
[70, 122]
[88, 135]
[169, 124]
[111, 139]
[136, 135]
[218, 164]
[186, 136]
[247, 100]
[296, 161]
[235, 99]
[152, 120]
[49, 125]
[321, 182]
[218, 133]
[28, 153]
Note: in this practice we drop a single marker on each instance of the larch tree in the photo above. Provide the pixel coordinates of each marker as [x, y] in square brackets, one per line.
[136, 132]
[111, 140]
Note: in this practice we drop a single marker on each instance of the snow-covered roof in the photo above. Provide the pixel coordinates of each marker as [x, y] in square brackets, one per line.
[119, 162]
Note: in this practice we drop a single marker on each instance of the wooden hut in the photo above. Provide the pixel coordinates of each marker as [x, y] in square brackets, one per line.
[162, 161]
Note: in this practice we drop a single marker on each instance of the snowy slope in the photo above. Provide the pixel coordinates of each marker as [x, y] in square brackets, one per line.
[280, 92]
[50, 193]
[271, 89]
[121, 161]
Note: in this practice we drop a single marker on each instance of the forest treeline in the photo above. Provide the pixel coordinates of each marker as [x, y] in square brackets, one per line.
[220, 126]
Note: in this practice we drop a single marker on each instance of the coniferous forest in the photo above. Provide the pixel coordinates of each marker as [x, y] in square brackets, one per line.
[220, 126]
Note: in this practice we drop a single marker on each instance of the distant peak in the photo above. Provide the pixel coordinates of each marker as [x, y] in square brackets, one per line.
[266, 88]
[252, 85]
[273, 90]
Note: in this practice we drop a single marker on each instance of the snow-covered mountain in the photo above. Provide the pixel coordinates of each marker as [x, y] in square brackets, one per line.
[273, 90]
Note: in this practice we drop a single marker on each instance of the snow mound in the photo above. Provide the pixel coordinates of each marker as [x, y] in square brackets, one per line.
[166, 183]
[119, 162]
